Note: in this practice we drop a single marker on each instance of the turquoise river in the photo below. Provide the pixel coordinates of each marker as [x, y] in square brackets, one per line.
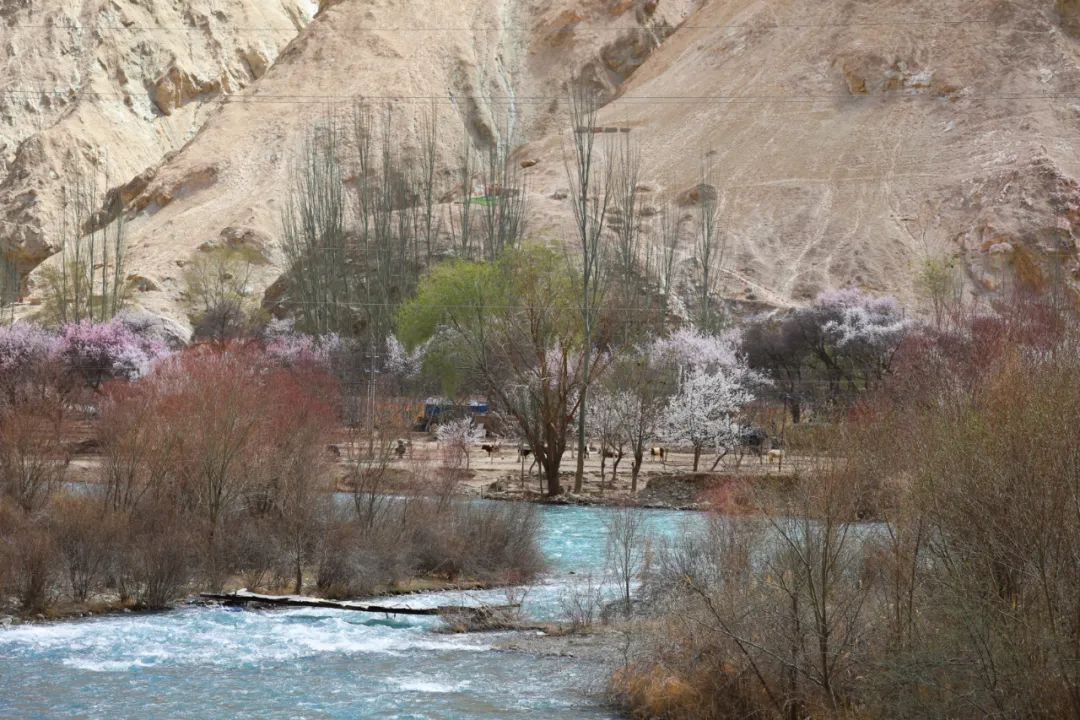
[214, 662]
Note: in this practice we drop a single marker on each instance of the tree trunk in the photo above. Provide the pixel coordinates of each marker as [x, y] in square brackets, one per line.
[579, 473]
[550, 466]
[796, 409]
[639, 458]
[697, 457]
[793, 705]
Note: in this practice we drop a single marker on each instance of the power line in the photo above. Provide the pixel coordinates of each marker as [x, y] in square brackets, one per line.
[926, 22]
[643, 309]
[860, 179]
[143, 28]
[443, 306]
[327, 98]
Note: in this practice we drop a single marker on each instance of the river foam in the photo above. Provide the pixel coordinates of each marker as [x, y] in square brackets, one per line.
[428, 686]
[214, 662]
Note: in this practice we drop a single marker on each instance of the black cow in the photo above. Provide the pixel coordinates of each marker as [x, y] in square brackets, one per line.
[754, 438]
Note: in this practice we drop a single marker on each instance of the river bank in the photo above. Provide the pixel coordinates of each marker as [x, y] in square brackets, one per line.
[732, 493]
[210, 661]
[106, 606]
[737, 485]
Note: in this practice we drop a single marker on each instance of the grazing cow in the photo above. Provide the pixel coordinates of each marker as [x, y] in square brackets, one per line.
[525, 451]
[778, 456]
[660, 452]
[755, 439]
[492, 449]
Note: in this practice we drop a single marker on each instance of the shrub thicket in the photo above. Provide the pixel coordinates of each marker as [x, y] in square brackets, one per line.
[214, 471]
[962, 603]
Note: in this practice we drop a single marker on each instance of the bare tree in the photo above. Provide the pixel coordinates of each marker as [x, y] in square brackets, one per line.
[352, 258]
[461, 231]
[670, 242]
[582, 601]
[429, 222]
[300, 491]
[589, 170]
[88, 283]
[137, 456]
[503, 209]
[822, 615]
[630, 268]
[9, 287]
[84, 539]
[32, 456]
[778, 602]
[394, 219]
[627, 550]
[370, 464]
[626, 210]
[320, 279]
[710, 247]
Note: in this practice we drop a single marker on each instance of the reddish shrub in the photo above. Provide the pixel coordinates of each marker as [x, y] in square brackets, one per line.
[221, 432]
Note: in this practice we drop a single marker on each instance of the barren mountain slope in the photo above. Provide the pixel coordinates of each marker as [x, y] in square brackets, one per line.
[491, 65]
[112, 87]
[848, 140]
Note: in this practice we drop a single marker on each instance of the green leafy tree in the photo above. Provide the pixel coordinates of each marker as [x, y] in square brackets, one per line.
[514, 327]
[939, 282]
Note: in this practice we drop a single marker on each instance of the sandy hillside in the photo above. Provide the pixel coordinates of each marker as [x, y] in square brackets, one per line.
[847, 141]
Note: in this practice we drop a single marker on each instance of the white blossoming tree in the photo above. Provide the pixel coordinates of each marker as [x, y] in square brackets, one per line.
[703, 412]
[689, 348]
[608, 418]
[863, 330]
[458, 437]
[714, 385]
[401, 363]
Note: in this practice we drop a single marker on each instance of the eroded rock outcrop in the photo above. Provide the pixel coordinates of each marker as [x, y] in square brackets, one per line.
[177, 87]
[109, 90]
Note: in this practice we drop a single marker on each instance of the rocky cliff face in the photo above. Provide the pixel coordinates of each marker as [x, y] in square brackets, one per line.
[114, 88]
[847, 140]
[853, 139]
